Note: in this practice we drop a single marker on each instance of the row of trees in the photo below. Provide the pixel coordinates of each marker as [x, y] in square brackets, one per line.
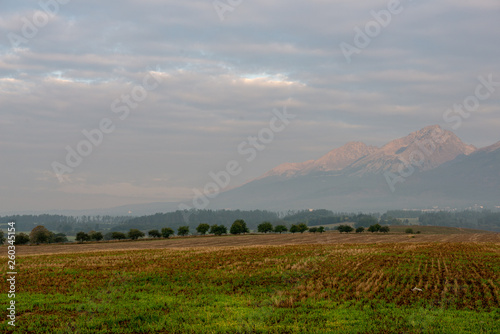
[361, 229]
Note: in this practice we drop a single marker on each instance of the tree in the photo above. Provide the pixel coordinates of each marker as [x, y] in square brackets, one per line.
[2, 237]
[313, 229]
[183, 230]
[280, 228]
[21, 239]
[294, 228]
[265, 227]
[154, 234]
[203, 229]
[167, 232]
[409, 230]
[239, 226]
[135, 234]
[345, 228]
[97, 236]
[374, 228]
[360, 229]
[302, 227]
[384, 229]
[321, 229]
[118, 235]
[59, 237]
[82, 236]
[218, 229]
[39, 235]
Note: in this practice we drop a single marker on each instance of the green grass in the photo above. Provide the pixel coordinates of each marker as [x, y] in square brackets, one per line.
[272, 289]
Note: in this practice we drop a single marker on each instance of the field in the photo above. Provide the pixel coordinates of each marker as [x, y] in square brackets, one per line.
[328, 283]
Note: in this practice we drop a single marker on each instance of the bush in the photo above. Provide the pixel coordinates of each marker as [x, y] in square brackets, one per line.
[21, 239]
[360, 229]
[167, 232]
[154, 233]
[135, 234]
[409, 230]
[183, 230]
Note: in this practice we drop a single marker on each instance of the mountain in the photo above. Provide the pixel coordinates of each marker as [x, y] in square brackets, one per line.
[429, 167]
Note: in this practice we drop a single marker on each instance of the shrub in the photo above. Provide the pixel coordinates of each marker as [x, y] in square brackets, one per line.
[360, 229]
[409, 230]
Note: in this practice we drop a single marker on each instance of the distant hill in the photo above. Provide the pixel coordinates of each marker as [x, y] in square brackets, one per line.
[430, 167]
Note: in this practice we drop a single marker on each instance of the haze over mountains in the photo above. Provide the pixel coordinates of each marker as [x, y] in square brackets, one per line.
[430, 167]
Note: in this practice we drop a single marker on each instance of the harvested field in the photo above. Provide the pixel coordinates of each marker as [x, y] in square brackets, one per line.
[251, 240]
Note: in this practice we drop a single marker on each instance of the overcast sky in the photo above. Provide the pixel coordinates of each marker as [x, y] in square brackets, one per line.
[213, 78]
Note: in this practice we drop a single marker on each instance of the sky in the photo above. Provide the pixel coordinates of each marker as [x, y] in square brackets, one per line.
[153, 96]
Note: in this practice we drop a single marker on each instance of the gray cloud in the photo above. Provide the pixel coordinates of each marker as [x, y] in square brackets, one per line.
[220, 82]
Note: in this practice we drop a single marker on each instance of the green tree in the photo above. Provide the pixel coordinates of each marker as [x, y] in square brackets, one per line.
[39, 235]
[218, 229]
[2, 237]
[360, 229]
[21, 239]
[183, 230]
[59, 237]
[302, 227]
[154, 234]
[280, 228]
[313, 229]
[135, 234]
[239, 226]
[345, 228]
[265, 227]
[384, 229]
[374, 228]
[203, 229]
[409, 230]
[82, 236]
[321, 229]
[294, 228]
[118, 236]
[167, 232]
[97, 236]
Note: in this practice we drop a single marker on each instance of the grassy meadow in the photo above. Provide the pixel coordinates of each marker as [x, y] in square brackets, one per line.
[290, 288]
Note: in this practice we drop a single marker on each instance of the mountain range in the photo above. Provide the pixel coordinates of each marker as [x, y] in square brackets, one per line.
[431, 167]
